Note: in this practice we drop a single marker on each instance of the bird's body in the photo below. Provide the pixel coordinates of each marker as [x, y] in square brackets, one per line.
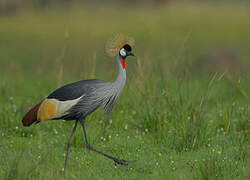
[81, 98]
[77, 100]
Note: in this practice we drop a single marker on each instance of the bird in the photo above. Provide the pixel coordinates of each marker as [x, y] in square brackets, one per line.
[77, 100]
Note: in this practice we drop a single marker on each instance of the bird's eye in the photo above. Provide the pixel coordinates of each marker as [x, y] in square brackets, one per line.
[122, 52]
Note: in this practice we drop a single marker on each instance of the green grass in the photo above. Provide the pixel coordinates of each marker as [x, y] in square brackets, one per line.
[176, 123]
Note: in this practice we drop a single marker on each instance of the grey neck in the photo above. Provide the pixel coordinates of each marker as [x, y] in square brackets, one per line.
[121, 77]
[113, 90]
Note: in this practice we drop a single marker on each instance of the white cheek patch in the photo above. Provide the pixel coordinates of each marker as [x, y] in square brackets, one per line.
[122, 52]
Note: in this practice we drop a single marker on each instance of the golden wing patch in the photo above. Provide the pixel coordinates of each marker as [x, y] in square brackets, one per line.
[53, 108]
[47, 110]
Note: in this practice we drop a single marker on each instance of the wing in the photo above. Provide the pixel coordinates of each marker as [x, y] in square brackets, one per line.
[59, 102]
[75, 90]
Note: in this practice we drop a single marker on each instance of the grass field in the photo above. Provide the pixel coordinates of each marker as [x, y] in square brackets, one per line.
[175, 121]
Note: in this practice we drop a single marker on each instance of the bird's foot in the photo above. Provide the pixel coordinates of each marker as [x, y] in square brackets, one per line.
[120, 161]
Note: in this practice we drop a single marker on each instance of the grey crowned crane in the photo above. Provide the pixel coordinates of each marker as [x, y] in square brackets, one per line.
[77, 100]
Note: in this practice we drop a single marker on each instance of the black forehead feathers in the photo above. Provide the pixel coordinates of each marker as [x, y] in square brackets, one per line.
[127, 47]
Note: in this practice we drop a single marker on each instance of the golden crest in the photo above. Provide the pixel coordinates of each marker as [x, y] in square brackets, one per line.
[115, 43]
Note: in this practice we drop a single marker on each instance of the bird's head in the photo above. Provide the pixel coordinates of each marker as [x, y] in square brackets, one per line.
[126, 51]
[120, 45]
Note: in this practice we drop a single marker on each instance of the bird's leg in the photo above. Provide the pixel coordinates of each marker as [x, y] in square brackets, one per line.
[116, 160]
[69, 143]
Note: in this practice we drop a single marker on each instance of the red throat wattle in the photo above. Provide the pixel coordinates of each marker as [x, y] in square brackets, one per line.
[123, 63]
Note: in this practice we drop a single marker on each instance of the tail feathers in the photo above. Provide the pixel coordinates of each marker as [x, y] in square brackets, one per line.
[31, 116]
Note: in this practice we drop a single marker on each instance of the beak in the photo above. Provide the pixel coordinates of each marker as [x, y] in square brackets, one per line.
[131, 54]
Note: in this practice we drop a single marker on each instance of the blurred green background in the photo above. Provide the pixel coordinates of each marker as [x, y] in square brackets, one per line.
[184, 112]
